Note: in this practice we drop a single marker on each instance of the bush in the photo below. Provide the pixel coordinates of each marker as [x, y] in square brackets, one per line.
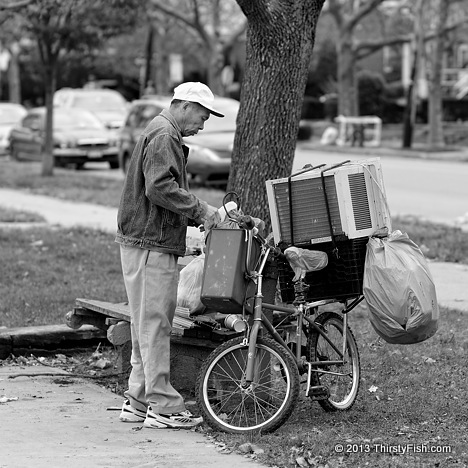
[372, 93]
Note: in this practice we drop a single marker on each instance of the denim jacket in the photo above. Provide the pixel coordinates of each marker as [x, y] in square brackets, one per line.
[156, 205]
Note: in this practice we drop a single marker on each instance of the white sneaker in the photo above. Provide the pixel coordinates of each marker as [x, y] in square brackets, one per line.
[184, 419]
[131, 414]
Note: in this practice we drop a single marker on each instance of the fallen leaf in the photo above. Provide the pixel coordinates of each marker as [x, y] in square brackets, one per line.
[5, 399]
[37, 243]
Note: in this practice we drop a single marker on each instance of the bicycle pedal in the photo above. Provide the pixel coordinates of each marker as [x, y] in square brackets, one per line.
[319, 392]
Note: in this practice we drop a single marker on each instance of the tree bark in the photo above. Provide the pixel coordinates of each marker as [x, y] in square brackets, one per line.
[279, 48]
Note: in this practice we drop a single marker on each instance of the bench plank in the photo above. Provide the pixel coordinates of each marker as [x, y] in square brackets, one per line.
[119, 311]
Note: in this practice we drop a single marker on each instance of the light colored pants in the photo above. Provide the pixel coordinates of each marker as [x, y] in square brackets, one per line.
[151, 282]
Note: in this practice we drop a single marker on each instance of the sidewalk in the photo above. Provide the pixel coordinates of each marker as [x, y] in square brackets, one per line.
[58, 422]
[454, 154]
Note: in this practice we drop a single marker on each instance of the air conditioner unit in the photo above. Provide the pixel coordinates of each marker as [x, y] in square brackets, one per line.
[340, 202]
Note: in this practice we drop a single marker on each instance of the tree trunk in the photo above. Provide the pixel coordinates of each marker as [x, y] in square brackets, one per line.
[149, 56]
[347, 87]
[435, 115]
[278, 53]
[14, 82]
[409, 118]
[215, 66]
[48, 149]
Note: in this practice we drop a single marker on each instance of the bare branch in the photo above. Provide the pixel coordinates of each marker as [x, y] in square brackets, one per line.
[364, 10]
[16, 5]
[335, 11]
[364, 49]
[196, 25]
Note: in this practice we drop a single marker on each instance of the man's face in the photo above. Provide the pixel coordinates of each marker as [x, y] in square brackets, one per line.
[194, 118]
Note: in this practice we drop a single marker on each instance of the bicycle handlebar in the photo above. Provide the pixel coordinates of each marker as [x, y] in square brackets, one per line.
[246, 222]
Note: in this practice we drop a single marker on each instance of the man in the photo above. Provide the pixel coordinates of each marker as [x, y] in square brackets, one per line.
[152, 222]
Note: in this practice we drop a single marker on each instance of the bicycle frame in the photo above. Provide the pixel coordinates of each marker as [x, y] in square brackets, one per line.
[260, 319]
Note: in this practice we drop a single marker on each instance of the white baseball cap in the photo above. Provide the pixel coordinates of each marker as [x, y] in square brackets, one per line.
[196, 92]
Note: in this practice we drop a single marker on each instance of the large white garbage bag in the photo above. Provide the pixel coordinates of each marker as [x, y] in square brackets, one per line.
[399, 290]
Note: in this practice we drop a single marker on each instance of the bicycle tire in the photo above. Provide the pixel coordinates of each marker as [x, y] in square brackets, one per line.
[226, 404]
[343, 389]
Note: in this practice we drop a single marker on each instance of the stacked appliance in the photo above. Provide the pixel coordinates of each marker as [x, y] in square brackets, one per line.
[334, 209]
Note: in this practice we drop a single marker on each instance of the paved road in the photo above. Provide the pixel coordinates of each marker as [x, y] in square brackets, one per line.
[436, 190]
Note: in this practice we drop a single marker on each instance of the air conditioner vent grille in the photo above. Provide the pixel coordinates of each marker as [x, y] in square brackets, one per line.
[309, 211]
[359, 201]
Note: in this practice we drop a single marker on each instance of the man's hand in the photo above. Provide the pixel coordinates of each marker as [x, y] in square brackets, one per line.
[212, 218]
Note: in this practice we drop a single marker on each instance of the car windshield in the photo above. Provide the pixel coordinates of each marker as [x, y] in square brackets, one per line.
[99, 101]
[11, 114]
[73, 118]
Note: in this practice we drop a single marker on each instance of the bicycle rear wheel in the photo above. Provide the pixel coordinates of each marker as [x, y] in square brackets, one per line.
[230, 404]
[341, 380]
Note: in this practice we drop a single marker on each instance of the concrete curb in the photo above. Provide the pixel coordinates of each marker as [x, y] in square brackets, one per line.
[26, 340]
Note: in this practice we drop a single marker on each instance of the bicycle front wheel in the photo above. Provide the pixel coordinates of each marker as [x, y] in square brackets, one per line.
[229, 403]
[341, 380]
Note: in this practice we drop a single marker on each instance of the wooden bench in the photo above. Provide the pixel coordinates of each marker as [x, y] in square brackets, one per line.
[187, 352]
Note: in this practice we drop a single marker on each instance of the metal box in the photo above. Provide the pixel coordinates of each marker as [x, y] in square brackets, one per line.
[224, 277]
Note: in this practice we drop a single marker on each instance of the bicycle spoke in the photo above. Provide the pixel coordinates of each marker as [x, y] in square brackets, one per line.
[234, 404]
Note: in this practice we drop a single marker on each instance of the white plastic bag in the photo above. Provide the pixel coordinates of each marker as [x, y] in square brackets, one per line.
[303, 261]
[399, 290]
[190, 284]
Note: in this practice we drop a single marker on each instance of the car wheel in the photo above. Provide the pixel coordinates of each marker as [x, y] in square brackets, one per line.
[79, 166]
[114, 164]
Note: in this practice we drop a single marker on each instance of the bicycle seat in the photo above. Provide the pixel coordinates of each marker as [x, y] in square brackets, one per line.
[303, 261]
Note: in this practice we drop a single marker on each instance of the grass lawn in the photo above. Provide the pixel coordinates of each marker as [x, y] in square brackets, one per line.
[68, 184]
[413, 398]
[44, 270]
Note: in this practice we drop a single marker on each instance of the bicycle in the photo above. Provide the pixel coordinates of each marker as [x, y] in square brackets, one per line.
[252, 382]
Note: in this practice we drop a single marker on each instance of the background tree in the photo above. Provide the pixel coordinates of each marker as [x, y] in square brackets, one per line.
[59, 26]
[280, 40]
[216, 25]
[10, 36]
[347, 15]
[437, 16]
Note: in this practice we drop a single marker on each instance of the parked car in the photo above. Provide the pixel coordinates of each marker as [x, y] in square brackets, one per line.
[10, 115]
[108, 105]
[140, 114]
[209, 160]
[79, 137]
